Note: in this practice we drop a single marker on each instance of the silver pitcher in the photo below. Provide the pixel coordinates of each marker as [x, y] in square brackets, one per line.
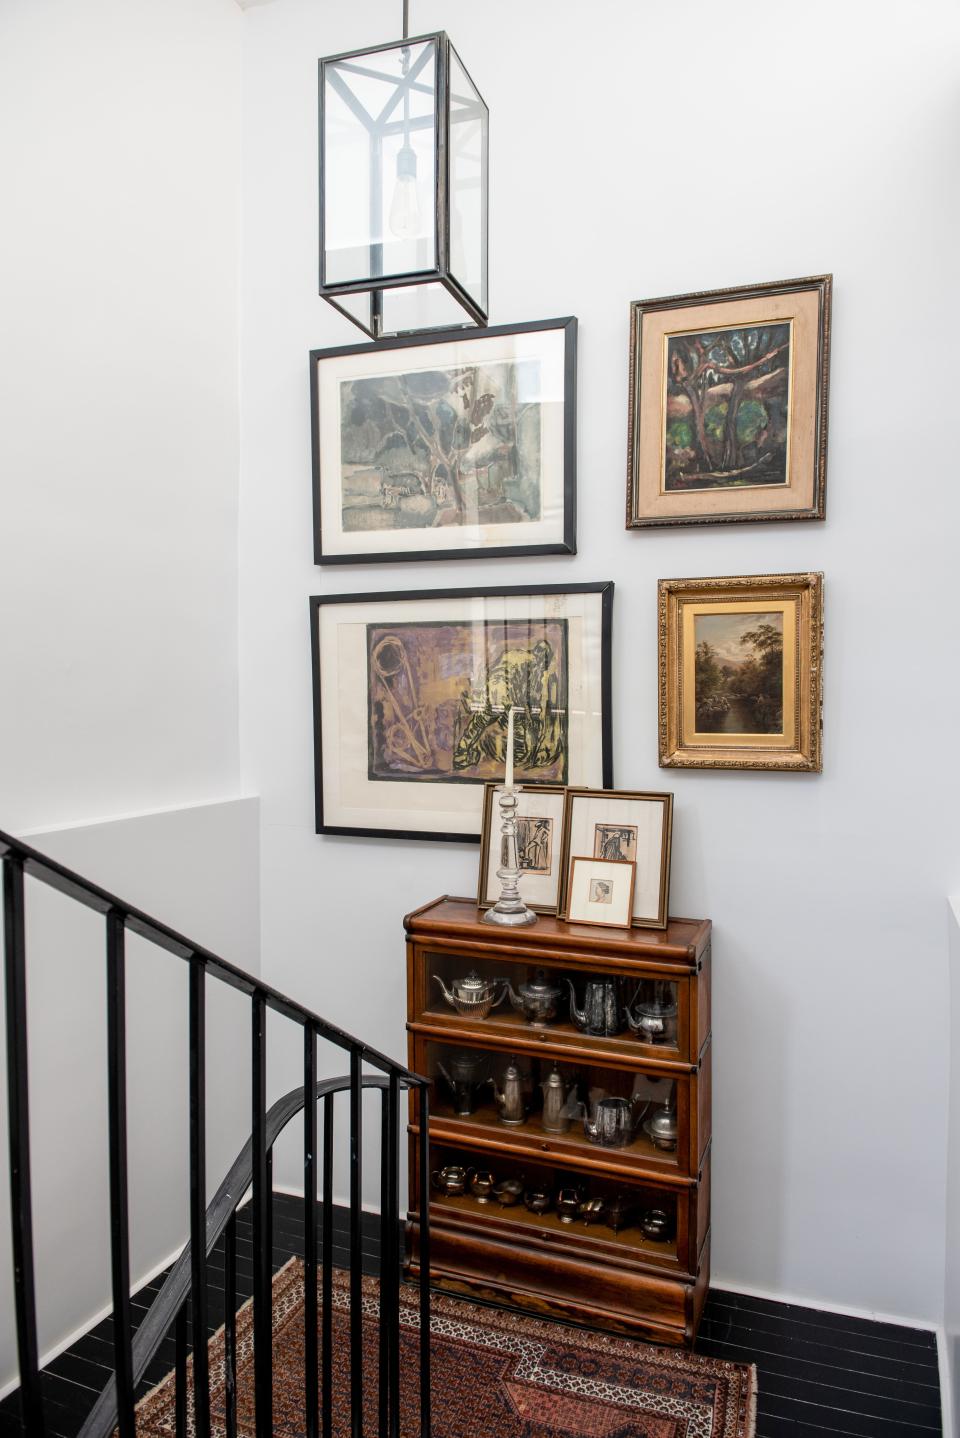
[466, 1072]
[602, 1011]
[612, 1122]
[537, 1000]
[510, 1101]
[473, 997]
[559, 1105]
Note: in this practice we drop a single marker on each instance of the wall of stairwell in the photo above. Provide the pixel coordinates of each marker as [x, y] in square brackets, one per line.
[120, 155]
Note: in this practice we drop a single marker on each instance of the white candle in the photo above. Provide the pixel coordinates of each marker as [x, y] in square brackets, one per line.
[508, 778]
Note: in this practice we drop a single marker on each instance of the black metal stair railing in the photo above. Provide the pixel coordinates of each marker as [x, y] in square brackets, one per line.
[186, 1284]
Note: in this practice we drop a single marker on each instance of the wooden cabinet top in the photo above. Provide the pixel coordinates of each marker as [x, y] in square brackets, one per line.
[451, 919]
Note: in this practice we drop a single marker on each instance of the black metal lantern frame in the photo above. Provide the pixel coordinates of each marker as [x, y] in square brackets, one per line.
[374, 279]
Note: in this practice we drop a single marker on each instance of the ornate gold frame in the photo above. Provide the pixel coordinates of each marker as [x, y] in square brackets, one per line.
[799, 750]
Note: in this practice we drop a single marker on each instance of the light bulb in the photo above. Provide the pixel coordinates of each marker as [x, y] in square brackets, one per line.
[404, 218]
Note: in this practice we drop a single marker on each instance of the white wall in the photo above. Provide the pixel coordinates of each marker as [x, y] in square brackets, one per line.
[119, 415]
[119, 150]
[951, 1305]
[640, 150]
[195, 869]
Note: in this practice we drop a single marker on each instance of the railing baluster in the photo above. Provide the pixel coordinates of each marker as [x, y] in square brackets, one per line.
[230, 1326]
[119, 1211]
[424, 1185]
[262, 1237]
[198, 1198]
[383, 1385]
[356, 1249]
[18, 1109]
[391, 1261]
[326, 1349]
[310, 1372]
[181, 1371]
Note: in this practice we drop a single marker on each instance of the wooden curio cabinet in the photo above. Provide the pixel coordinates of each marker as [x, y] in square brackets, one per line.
[629, 1247]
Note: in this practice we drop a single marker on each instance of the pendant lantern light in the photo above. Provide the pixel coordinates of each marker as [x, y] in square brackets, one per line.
[403, 187]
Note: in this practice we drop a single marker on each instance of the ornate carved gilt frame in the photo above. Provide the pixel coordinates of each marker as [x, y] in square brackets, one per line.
[804, 754]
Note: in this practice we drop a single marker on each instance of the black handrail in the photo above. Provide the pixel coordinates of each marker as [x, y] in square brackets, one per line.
[188, 1277]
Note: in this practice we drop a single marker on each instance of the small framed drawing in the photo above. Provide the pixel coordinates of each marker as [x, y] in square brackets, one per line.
[412, 692]
[740, 672]
[601, 892]
[621, 826]
[728, 405]
[539, 847]
[455, 445]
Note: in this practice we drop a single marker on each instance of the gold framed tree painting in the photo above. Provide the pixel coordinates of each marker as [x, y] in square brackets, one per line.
[740, 672]
[728, 405]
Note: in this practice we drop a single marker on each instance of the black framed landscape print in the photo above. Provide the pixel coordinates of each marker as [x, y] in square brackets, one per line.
[412, 692]
[452, 445]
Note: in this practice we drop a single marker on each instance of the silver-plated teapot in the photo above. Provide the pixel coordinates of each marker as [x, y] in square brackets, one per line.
[510, 1100]
[653, 1017]
[473, 997]
[602, 1011]
[537, 1000]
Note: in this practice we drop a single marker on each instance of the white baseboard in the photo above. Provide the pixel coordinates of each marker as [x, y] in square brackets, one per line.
[92, 1322]
[730, 1285]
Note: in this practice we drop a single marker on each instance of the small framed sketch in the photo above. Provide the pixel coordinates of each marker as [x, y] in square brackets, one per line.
[601, 892]
[454, 445]
[622, 827]
[411, 695]
[740, 672]
[539, 847]
[728, 405]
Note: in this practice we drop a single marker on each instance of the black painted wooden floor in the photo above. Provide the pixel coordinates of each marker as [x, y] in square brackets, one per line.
[819, 1373]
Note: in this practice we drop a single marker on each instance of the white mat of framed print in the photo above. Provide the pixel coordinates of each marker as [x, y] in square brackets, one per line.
[539, 817]
[624, 826]
[454, 445]
[412, 691]
[601, 892]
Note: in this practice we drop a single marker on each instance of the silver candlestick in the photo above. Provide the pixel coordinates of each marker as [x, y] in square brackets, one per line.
[509, 908]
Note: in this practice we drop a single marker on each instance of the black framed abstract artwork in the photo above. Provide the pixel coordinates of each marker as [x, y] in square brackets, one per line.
[412, 692]
[452, 445]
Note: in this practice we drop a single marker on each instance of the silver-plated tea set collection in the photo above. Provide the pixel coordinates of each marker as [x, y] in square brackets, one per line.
[651, 1015]
[569, 1201]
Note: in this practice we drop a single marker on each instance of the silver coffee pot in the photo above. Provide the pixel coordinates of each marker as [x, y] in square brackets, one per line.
[473, 997]
[537, 1000]
[602, 1011]
[559, 1105]
[510, 1101]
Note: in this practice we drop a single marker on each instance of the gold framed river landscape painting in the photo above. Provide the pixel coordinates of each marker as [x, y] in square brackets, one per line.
[728, 405]
[740, 672]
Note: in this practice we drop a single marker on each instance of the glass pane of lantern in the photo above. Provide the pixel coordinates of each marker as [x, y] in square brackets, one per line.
[357, 307]
[469, 121]
[379, 163]
[421, 307]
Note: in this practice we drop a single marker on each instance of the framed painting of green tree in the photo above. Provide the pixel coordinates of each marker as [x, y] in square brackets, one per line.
[451, 445]
[740, 672]
[728, 405]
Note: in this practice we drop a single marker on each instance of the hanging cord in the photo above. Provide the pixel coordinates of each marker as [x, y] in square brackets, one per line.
[406, 19]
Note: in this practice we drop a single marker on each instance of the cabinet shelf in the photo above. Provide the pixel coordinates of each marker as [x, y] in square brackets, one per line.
[510, 1030]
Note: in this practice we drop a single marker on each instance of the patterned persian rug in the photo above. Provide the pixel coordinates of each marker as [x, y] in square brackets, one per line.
[494, 1375]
